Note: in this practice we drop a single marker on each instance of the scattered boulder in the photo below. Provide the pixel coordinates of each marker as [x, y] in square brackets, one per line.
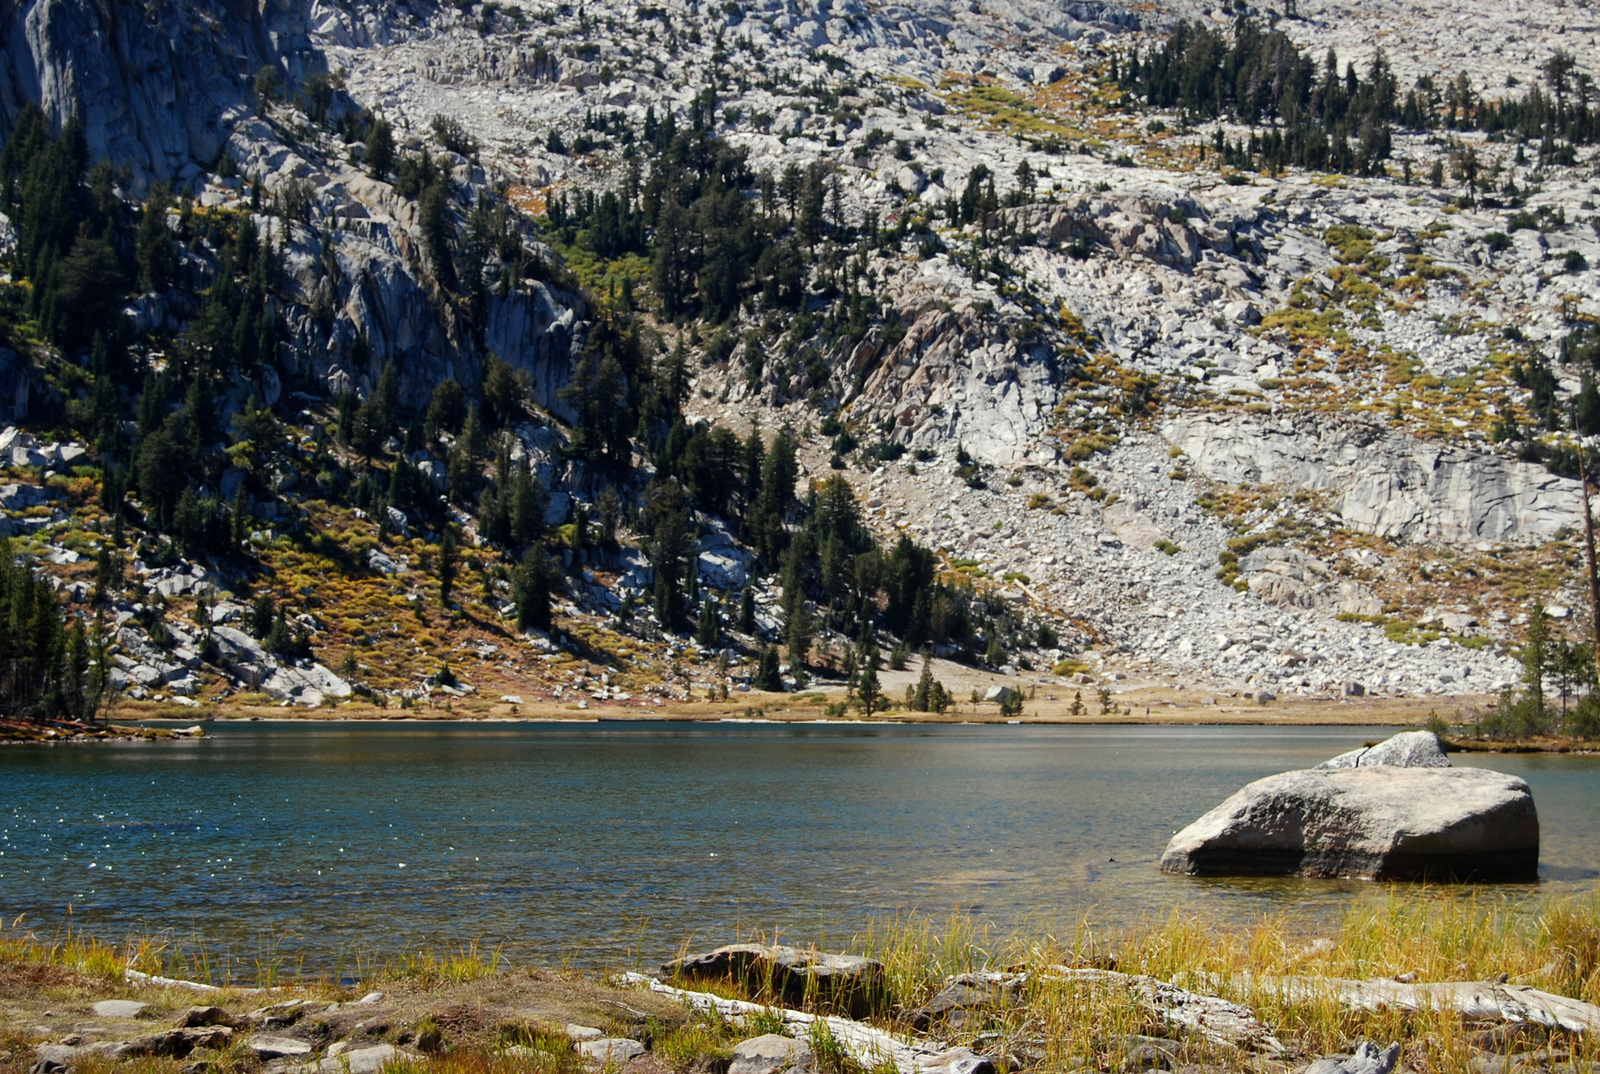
[195, 1017]
[170, 1044]
[1381, 822]
[956, 1061]
[609, 1050]
[966, 994]
[850, 984]
[118, 1008]
[1366, 1060]
[769, 1054]
[577, 1032]
[364, 1060]
[1409, 749]
[53, 1058]
[277, 1047]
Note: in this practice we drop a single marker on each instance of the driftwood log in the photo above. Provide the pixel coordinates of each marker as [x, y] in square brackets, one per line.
[1475, 1001]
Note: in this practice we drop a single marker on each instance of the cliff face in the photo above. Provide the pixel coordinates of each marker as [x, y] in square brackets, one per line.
[157, 85]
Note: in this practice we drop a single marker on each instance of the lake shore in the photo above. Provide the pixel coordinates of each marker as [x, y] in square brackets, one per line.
[1153, 707]
[1178, 995]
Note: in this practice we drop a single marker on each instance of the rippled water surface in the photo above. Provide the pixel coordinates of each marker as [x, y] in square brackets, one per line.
[602, 841]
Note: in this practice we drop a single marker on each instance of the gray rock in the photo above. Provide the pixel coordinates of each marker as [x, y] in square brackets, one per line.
[954, 1004]
[118, 1008]
[205, 1016]
[363, 1060]
[382, 563]
[957, 1060]
[277, 1047]
[1409, 749]
[848, 982]
[769, 1054]
[54, 1058]
[1367, 1060]
[608, 1050]
[1381, 822]
[577, 1032]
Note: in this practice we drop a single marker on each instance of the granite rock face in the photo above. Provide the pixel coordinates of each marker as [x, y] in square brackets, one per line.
[156, 85]
[1385, 485]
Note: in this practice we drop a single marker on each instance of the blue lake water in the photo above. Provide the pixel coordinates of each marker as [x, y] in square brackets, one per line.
[613, 843]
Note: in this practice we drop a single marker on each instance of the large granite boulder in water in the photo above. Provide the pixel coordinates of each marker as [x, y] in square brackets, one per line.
[1382, 821]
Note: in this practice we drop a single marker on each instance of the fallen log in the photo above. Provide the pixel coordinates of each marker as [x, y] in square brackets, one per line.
[1475, 1001]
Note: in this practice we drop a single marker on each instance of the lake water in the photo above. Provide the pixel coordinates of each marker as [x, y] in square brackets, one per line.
[612, 843]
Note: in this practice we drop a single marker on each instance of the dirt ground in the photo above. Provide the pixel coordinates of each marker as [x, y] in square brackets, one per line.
[1042, 704]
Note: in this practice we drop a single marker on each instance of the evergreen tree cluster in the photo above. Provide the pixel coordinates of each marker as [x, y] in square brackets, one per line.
[51, 668]
[1319, 118]
[1313, 116]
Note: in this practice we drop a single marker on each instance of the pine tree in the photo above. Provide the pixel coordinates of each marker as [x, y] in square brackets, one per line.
[767, 677]
[747, 610]
[447, 565]
[708, 628]
[379, 154]
[867, 689]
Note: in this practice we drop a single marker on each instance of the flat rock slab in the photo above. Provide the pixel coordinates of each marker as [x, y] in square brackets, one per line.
[610, 1049]
[769, 1054]
[277, 1047]
[118, 1008]
[1382, 823]
[577, 1032]
[363, 1060]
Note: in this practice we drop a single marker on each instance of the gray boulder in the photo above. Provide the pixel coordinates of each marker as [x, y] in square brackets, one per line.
[769, 1054]
[118, 1008]
[1381, 822]
[364, 1060]
[1367, 1060]
[1409, 749]
[610, 1050]
[966, 996]
[849, 984]
[277, 1047]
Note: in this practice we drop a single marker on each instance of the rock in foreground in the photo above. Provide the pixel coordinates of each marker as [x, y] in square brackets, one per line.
[849, 984]
[1382, 822]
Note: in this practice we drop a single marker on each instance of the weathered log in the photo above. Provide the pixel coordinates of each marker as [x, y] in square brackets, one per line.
[1475, 1001]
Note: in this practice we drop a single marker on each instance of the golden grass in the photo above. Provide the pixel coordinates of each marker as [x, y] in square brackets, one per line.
[1054, 1023]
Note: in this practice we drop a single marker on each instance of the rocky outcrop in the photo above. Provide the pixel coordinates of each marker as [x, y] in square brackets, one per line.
[960, 375]
[1389, 485]
[1382, 822]
[848, 983]
[156, 85]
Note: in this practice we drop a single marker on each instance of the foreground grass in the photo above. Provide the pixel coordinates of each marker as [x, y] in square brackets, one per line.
[481, 1016]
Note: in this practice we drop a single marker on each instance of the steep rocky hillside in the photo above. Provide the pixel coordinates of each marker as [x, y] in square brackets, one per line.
[634, 351]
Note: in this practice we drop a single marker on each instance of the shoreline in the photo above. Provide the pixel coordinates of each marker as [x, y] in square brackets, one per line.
[132, 721]
[1086, 1002]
